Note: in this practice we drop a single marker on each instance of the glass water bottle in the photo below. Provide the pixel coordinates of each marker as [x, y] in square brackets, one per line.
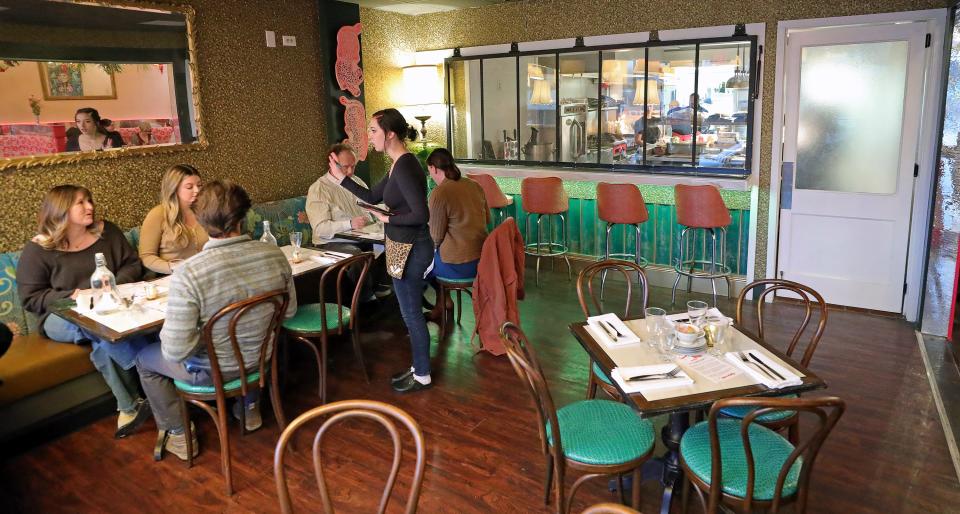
[267, 236]
[103, 281]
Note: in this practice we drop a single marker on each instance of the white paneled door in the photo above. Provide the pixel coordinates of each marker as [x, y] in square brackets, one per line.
[853, 99]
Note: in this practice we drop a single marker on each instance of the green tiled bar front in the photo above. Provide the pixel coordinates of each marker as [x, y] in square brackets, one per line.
[658, 235]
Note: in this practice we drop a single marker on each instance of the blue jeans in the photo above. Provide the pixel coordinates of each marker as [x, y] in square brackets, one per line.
[113, 360]
[157, 375]
[444, 270]
[409, 291]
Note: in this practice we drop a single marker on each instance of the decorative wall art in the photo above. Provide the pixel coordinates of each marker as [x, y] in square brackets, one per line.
[74, 81]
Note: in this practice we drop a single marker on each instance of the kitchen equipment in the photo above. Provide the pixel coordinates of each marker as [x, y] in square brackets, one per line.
[573, 131]
[534, 150]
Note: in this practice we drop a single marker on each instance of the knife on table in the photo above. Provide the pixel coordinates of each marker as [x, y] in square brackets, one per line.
[612, 327]
[610, 334]
[764, 364]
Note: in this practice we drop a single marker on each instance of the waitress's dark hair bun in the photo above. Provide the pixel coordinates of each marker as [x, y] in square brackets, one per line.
[390, 120]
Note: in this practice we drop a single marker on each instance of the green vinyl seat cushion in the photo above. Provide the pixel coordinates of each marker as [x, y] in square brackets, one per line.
[457, 281]
[602, 432]
[307, 318]
[600, 374]
[209, 389]
[741, 412]
[770, 452]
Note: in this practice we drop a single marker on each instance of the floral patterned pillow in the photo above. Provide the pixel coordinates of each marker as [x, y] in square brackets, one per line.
[285, 216]
[11, 310]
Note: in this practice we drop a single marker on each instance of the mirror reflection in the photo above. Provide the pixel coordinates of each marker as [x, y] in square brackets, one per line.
[82, 78]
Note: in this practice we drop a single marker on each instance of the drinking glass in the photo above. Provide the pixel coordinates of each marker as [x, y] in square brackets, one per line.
[666, 343]
[696, 310]
[655, 321]
[715, 330]
[296, 239]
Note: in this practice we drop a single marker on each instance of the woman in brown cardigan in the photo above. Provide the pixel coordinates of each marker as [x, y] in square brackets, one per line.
[458, 223]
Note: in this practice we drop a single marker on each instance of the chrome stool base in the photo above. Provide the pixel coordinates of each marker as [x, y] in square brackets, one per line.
[635, 257]
[548, 248]
[712, 269]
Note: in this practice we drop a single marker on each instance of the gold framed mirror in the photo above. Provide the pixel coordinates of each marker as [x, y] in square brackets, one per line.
[132, 62]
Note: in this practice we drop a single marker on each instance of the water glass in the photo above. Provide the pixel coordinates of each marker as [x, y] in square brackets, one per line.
[666, 343]
[716, 333]
[296, 239]
[696, 310]
[655, 320]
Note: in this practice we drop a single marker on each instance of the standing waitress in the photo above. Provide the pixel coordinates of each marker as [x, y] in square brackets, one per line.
[409, 247]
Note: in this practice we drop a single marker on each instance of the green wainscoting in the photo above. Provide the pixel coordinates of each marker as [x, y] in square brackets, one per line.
[658, 235]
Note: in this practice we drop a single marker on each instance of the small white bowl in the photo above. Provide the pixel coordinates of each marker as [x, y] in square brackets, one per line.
[687, 333]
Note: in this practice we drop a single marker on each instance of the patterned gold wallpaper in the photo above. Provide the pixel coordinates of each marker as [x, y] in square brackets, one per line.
[263, 115]
[533, 20]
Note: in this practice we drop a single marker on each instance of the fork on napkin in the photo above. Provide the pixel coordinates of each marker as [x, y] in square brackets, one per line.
[610, 330]
[639, 386]
[753, 368]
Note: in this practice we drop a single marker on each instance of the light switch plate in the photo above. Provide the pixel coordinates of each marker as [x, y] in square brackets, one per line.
[271, 39]
[289, 40]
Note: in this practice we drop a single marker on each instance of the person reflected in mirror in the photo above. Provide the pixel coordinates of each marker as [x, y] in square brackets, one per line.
[143, 135]
[409, 246]
[93, 134]
[72, 134]
[56, 266]
[170, 233]
[458, 225]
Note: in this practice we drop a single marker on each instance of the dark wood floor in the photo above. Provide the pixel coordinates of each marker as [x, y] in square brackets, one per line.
[887, 455]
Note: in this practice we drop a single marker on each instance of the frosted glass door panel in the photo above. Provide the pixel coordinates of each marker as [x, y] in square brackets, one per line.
[851, 117]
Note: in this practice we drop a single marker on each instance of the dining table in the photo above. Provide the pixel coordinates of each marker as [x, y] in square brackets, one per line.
[371, 234]
[680, 401]
[146, 315]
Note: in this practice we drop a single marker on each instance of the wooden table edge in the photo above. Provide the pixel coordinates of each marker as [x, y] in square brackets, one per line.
[102, 330]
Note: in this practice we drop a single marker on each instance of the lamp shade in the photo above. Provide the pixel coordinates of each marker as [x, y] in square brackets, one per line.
[614, 71]
[541, 93]
[534, 72]
[653, 93]
[640, 64]
[422, 85]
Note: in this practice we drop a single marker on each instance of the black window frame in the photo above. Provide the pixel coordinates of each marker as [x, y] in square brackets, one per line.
[753, 94]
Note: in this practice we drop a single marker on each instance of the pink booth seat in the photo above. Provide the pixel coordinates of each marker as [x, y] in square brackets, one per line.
[162, 135]
[26, 144]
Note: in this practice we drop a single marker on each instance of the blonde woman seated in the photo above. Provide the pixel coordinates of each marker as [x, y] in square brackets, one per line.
[170, 232]
[57, 264]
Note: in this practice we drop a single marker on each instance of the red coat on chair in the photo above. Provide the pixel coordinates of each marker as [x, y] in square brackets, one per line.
[499, 284]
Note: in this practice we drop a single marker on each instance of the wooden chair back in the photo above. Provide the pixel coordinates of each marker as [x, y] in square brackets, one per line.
[524, 361]
[609, 508]
[335, 275]
[234, 313]
[826, 411]
[386, 415]
[590, 301]
[809, 298]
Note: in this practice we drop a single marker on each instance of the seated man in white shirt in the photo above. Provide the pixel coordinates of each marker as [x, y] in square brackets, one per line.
[332, 209]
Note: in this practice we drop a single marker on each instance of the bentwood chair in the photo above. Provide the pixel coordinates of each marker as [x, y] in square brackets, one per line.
[744, 465]
[239, 387]
[596, 437]
[386, 415]
[610, 508]
[315, 322]
[453, 284]
[814, 310]
[591, 304]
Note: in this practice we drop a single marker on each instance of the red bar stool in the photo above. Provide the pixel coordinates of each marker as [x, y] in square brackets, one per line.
[545, 196]
[621, 204]
[496, 200]
[701, 208]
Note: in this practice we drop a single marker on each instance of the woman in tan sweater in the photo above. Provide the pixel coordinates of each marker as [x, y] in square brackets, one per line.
[458, 222]
[170, 232]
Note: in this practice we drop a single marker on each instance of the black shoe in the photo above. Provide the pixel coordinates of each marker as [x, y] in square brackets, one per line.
[128, 423]
[410, 385]
[400, 377]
